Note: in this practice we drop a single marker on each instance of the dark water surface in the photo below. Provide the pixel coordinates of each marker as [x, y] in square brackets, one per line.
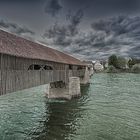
[109, 109]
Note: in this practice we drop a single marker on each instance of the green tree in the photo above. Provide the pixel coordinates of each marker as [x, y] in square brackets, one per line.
[132, 62]
[121, 63]
[136, 68]
[111, 69]
[113, 61]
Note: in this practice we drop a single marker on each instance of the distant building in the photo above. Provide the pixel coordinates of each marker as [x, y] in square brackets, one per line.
[105, 64]
[98, 66]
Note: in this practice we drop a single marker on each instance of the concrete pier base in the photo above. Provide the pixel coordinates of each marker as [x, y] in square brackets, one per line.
[61, 90]
[91, 72]
[74, 87]
[86, 78]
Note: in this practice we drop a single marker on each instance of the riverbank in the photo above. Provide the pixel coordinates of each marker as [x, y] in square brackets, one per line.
[112, 69]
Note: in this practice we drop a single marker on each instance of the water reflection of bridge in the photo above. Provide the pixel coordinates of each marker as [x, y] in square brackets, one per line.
[60, 122]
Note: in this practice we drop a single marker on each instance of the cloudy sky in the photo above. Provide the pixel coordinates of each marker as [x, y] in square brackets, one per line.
[87, 29]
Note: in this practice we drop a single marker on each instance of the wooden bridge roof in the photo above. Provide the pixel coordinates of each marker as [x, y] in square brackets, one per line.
[17, 46]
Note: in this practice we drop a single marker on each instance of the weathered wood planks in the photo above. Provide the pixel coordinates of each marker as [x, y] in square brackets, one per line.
[15, 76]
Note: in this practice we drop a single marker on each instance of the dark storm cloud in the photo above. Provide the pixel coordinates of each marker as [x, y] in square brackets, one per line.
[75, 21]
[73, 33]
[101, 6]
[53, 7]
[118, 26]
[118, 35]
[14, 28]
[62, 34]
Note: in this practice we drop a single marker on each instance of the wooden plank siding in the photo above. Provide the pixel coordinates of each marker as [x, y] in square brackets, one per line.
[15, 76]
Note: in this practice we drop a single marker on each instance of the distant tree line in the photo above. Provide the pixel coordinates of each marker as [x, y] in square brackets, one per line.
[119, 64]
[133, 61]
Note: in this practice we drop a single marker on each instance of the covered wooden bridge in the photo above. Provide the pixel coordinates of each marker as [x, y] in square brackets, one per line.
[25, 64]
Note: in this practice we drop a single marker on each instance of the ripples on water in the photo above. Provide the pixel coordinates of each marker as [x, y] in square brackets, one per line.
[109, 109]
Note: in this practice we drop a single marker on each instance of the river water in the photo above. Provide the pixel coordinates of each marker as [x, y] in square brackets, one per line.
[109, 109]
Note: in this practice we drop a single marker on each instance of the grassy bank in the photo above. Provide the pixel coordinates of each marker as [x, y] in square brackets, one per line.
[112, 69]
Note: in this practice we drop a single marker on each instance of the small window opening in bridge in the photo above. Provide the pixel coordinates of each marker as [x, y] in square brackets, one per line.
[37, 67]
[34, 67]
[40, 67]
[48, 67]
[70, 67]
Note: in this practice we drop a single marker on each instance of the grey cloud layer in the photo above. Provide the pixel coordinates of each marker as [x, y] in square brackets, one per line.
[62, 35]
[95, 8]
[19, 30]
[118, 35]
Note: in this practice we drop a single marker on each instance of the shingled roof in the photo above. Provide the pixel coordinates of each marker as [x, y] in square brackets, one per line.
[17, 46]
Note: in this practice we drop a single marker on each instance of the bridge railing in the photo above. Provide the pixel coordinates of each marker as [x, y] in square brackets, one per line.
[14, 80]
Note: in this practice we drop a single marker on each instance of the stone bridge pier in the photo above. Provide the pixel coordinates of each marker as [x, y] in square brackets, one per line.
[86, 78]
[62, 90]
